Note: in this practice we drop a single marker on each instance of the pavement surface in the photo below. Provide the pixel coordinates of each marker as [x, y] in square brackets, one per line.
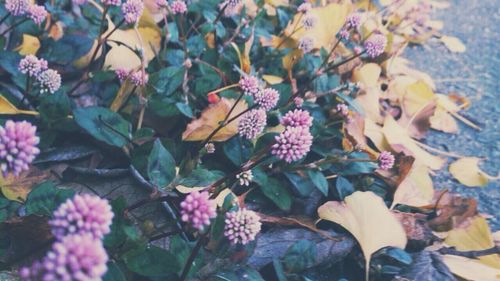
[474, 74]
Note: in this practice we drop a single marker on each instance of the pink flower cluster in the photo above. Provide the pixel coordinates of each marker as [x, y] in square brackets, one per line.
[304, 7]
[132, 10]
[138, 78]
[18, 146]
[48, 79]
[306, 44]
[250, 85]
[197, 209]
[386, 160]
[353, 21]
[295, 142]
[343, 109]
[178, 7]
[83, 214]
[35, 12]
[252, 123]
[375, 45]
[267, 99]
[112, 2]
[241, 226]
[75, 257]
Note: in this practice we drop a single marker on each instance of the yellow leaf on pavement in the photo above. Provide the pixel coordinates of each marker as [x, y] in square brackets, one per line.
[417, 96]
[474, 235]
[272, 79]
[9, 109]
[416, 189]
[471, 269]
[18, 188]
[30, 45]
[467, 172]
[368, 219]
[201, 128]
[453, 44]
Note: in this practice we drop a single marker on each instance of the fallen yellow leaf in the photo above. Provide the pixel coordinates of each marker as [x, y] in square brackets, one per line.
[18, 188]
[467, 172]
[201, 128]
[272, 79]
[9, 109]
[30, 45]
[471, 269]
[368, 219]
[453, 44]
[416, 189]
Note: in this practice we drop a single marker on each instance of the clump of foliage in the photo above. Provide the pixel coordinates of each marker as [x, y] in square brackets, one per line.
[279, 138]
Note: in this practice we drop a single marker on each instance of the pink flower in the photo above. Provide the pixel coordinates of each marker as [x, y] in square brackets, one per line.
[75, 257]
[32, 65]
[252, 123]
[37, 13]
[292, 144]
[82, 214]
[241, 226]
[344, 34]
[162, 3]
[18, 146]
[353, 20]
[298, 102]
[375, 45]
[309, 22]
[267, 99]
[50, 81]
[132, 10]
[139, 78]
[250, 85]
[178, 7]
[306, 44]
[112, 2]
[342, 109]
[297, 118]
[17, 7]
[304, 7]
[122, 74]
[197, 209]
[386, 160]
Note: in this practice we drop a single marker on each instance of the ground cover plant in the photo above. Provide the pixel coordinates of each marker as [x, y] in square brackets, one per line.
[230, 140]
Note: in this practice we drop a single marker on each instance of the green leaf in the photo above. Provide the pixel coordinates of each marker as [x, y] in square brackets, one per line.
[45, 198]
[278, 270]
[319, 181]
[302, 184]
[273, 189]
[167, 80]
[152, 262]
[185, 109]
[161, 166]
[300, 256]
[238, 150]
[182, 250]
[344, 187]
[104, 125]
[201, 177]
[54, 107]
[114, 273]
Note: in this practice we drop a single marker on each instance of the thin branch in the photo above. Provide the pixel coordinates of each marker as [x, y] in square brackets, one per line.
[469, 254]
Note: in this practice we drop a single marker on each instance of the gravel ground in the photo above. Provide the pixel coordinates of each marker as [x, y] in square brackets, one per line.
[475, 74]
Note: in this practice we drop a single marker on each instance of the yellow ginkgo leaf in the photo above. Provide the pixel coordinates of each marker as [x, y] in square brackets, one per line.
[453, 44]
[272, 79]
[201, 128]
[219, 199]
[474, 235]
[9, 109]
[416, 189]
[417, 96]
[18, 188]
[367, 75]
[30, 45]
[471, 269]
[400, 141]
[467, 172]
[368, 219]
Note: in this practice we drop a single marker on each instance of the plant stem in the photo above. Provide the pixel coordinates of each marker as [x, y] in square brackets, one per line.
[470, 254]
[192, 256]
[14, 25]
[5, 18]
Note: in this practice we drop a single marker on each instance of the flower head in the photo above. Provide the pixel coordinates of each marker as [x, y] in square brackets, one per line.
[231, 7]
[132, 10]
[375, 45]
[82, 214]
[139, 78]
[162, 3]
[306, 44]
[178, 7]
[32, 65]
[245, 178]
[353, 20]
[309, 22]
[252, 123]
[250, 85]
[112, 2]
[210, 147]
[386, 160]
[50, 81]
[86, 101]
[75, 257]
[297, 118]
[342, 109]
[344, 34]
[197, 209]
[241, 226]
[267, 99]
[304, 7]
[18, 146]
[17, 7]
[298, 102]
[122, 74]
[37, 13]
[292, 144]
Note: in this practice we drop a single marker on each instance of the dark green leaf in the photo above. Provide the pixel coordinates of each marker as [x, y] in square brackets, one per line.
[65, 153]
[300, 256]
[114, 273]
[273, 189]
[319, 181]
[239, 274]
[161, 166]
[238, 150]
[104, 125]
[344, 187]
[45, 198]
[302, 184]
[152, 261]
[278, 270]
[200, 177]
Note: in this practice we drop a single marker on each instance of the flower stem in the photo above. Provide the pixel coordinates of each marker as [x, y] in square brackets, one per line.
[192, 256]
[5, 18]
[14, 26]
